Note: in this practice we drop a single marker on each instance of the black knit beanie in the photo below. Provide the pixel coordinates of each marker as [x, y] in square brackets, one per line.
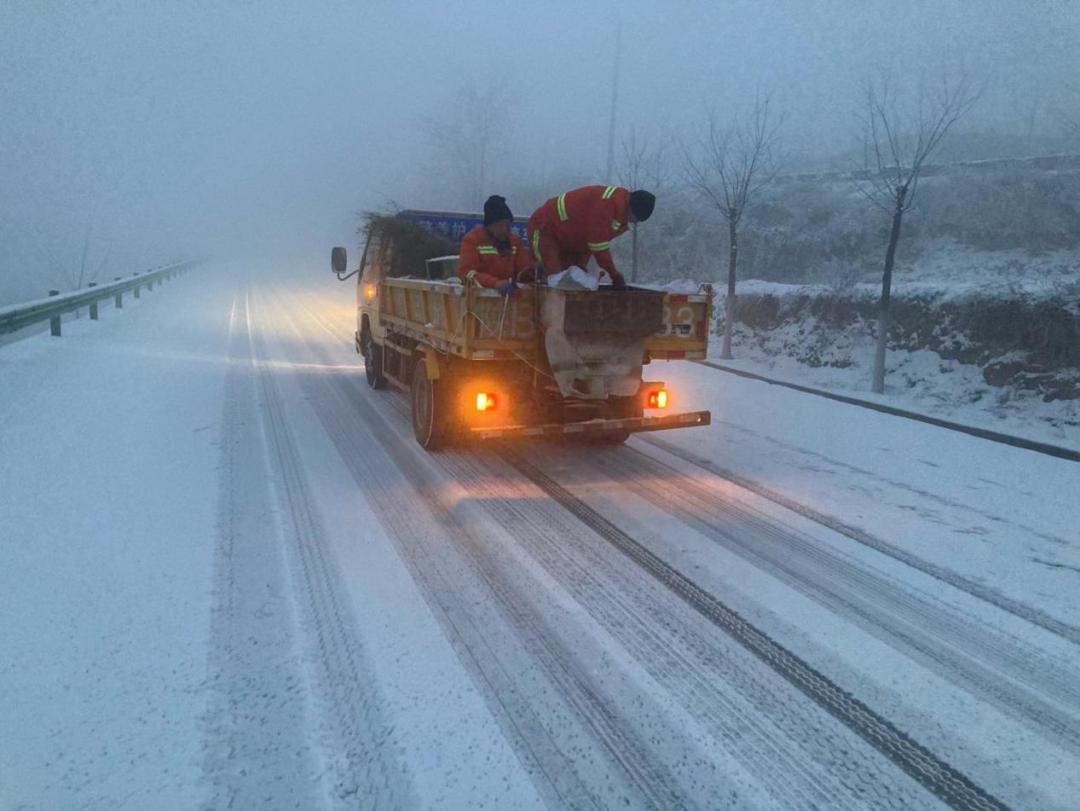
[495, 209]
[642, 203]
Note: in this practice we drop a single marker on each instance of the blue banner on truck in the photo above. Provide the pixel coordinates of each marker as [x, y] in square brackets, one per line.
[454, 225]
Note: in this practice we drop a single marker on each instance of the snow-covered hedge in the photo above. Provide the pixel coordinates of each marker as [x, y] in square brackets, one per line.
[1028, 342]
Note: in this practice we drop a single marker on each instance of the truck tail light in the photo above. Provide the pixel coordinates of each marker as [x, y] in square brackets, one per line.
[485, 401]
[658, 398]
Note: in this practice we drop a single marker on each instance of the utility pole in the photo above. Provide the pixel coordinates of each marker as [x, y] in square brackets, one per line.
[614, 100]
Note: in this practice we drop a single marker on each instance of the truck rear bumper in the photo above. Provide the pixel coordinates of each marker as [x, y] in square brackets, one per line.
[689, 419]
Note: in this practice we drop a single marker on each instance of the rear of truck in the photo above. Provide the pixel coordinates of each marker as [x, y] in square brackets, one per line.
[592, 350]
[544, 362]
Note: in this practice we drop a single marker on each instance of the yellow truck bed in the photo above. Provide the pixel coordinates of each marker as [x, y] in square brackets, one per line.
[475, 323]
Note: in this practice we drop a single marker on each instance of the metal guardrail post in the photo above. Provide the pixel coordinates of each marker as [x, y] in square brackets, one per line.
[119, 302]
[54, 322]
[136, 291]
[93, 304]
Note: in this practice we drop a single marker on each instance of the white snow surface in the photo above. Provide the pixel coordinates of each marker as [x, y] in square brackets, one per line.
[108, 457]
[228, 577]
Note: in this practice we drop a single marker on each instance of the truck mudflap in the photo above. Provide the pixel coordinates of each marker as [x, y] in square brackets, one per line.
[633, 425]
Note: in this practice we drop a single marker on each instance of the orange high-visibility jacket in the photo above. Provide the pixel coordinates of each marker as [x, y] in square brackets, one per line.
[481, 256]
[584, 221]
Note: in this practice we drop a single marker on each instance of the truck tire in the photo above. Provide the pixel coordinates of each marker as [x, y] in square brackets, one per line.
[373, 362]
[609, 438]
[431, 417]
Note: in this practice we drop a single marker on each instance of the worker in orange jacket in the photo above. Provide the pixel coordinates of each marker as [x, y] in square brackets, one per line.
[491, 254]
[568, 229]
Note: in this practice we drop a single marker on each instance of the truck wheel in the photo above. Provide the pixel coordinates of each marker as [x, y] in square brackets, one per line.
[432, 424]
[373, 358]
[627, 407]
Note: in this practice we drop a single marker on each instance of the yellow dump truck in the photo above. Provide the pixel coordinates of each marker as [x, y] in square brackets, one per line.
[545, 362]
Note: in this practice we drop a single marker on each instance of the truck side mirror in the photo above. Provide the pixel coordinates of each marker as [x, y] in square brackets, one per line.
[338, 260]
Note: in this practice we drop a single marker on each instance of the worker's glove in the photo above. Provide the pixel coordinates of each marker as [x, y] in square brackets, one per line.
[618, 282]
[507, 288]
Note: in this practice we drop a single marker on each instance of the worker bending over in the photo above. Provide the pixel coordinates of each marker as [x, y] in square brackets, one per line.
[568, 229]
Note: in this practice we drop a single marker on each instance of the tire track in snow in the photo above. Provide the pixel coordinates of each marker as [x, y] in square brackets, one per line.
[938, 777]
[257, 721]
[1003, 670]
[806, 766]
[567, 778]
[366, 771]
[948, 576]
[804, 758]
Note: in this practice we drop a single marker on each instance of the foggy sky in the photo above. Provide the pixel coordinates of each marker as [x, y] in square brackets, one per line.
[258, 130]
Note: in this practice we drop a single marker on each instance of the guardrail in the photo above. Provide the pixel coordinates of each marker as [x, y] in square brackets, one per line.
[51, 309]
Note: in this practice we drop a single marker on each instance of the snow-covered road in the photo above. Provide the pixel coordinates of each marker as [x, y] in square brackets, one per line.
[230, 578]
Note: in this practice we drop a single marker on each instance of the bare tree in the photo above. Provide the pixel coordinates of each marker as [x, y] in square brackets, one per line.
[642, 164]
[467, 142]
[897, 142]
[729, 167]
[74, 276]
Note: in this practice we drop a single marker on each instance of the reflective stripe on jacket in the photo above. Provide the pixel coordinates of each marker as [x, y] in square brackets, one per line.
[492, 267]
